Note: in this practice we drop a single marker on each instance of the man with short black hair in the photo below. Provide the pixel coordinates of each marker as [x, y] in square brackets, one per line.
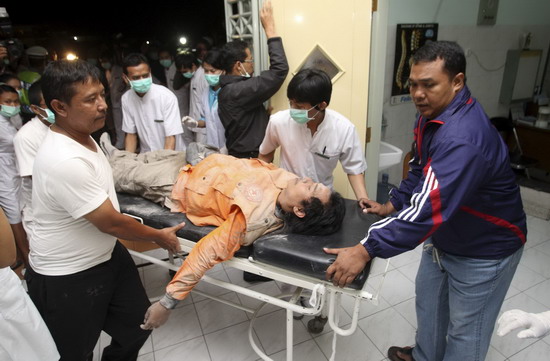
[151, 117]
[461, 198]
[241, 97]
[313, 138]
[81, 278]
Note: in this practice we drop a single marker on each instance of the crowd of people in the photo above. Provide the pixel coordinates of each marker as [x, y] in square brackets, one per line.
[73, 133]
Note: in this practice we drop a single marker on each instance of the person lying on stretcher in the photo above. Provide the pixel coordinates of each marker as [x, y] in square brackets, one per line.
[244, 198]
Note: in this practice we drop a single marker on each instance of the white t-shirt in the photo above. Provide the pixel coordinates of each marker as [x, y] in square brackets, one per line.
[152, 117]
[26, 143]
[69, 181]
[315, 156]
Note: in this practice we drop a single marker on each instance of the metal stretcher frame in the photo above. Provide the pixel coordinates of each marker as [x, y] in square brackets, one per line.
[325, 296]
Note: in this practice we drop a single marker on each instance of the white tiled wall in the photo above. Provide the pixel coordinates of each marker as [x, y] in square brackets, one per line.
[490, 44]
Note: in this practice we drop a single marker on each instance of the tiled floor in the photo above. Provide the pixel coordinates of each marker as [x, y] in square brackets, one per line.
[204, 330]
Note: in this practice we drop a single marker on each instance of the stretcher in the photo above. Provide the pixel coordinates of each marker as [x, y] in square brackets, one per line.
[294, 259]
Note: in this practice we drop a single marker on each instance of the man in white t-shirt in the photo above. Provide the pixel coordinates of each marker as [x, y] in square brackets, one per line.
[26, 143]
[81, 279]
[313, 138]
[150, 112]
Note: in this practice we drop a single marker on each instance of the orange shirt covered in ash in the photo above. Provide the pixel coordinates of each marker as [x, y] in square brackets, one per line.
[237, 195]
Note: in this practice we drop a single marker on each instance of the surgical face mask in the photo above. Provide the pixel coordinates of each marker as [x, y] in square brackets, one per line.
[8, 111]
[246, 75]
[212, 79]
[188, 74]
[141, 85]
[50, 115]
[165, 62]
[106, 65]
[300, 115]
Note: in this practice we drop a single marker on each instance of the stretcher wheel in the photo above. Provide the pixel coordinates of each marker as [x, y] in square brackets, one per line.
[317, 324]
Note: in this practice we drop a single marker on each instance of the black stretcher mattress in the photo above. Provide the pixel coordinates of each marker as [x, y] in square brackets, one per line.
[294, 252]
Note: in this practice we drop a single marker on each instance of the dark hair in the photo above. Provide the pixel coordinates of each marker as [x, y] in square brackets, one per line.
[449, 51]
[167, 50]
[320, 219]
[107, 55]
[61, 76]
[6, 77]
[186, 61]
[35, 93]
[311, 86]
[5, 88]
[232, 52]
[214, 58]
[133, 59]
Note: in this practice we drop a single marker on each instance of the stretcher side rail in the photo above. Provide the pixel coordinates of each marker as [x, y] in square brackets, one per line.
[299, 253]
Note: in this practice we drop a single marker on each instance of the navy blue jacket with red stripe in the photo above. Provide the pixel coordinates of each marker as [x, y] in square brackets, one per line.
[460, 190]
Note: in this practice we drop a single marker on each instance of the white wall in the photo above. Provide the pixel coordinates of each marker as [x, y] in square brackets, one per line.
[457, 22]
[305, 23]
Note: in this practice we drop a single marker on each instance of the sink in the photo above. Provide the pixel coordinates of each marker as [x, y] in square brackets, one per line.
[390, 155]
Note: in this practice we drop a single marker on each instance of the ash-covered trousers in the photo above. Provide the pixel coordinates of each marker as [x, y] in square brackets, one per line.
[150, 175]
[457, 303]
[76, 307]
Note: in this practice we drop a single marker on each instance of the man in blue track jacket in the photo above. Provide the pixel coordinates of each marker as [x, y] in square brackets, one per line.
[461, 200]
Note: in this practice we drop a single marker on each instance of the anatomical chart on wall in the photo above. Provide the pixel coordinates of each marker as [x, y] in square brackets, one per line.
[409, 37]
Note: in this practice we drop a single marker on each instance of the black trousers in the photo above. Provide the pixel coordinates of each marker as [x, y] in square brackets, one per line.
[76, 307]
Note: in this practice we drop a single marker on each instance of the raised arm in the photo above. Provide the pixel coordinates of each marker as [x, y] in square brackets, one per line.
[268, 22]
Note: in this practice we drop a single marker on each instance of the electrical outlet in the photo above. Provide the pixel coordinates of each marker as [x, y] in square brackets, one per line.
[487, 13]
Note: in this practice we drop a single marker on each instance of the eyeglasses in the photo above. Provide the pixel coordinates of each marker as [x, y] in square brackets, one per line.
[248, 61]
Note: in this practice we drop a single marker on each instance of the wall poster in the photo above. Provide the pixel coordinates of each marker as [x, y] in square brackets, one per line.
[409, 37]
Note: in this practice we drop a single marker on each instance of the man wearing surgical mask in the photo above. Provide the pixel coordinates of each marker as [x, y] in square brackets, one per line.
[242, 96]
[26, 143]
[191, 79]
[313, 138]
[15, 83]
[167, 61]
[215, 132]
[10, 182]
[150, 113]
